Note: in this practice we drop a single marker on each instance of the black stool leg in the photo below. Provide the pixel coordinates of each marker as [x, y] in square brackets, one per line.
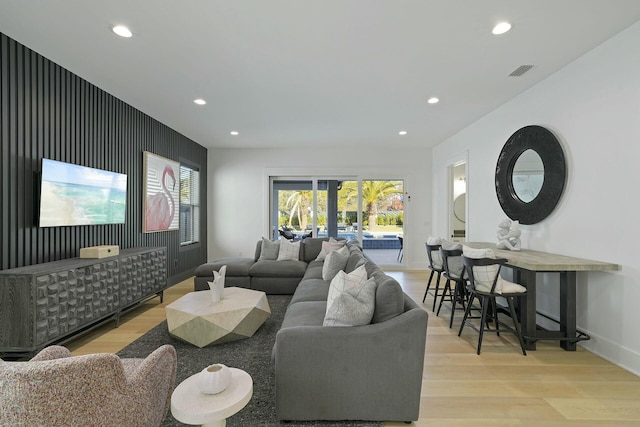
[466, 313]
[483, 316]
[428, 285]
[447, 286]
[435, 293]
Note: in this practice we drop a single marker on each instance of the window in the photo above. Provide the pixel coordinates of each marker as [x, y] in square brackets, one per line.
[189, 205]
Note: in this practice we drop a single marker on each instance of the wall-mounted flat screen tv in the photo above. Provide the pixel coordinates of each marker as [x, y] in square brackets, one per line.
[78, 195]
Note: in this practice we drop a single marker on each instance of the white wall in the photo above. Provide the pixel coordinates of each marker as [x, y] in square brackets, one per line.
[238, 186]
[593, 108]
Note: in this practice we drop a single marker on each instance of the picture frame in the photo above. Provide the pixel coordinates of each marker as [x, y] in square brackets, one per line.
[161, 193]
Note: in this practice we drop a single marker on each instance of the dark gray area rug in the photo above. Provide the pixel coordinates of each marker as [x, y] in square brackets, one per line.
[252, 355]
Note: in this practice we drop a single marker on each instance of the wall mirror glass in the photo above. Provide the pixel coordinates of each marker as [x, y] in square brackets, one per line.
[460, 207]
[530, 174]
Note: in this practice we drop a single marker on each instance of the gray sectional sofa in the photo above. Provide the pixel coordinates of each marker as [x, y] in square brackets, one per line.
[368, 372]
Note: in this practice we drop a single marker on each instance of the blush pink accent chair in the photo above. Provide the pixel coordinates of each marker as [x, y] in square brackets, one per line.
[58, 389]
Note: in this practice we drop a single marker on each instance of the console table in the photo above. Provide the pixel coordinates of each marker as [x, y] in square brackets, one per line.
[50, 303]
[526, 263]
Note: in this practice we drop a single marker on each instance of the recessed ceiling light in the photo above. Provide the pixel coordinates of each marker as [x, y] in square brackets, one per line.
[402, 132]
[433, 100]
[122, 31]
[501, 28]
[200, 101]
[234, 132]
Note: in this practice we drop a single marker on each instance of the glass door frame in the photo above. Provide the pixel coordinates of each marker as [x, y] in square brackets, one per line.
[284, 175]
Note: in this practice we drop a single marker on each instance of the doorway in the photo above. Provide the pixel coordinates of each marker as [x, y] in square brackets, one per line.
[458, 202]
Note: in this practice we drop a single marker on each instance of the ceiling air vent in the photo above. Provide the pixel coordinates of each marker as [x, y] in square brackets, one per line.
[520, 70]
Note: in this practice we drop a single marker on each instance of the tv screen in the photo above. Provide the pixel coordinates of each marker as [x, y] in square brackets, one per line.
[78, 195]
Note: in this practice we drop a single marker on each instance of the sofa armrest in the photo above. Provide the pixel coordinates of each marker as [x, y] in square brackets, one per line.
[371, 372]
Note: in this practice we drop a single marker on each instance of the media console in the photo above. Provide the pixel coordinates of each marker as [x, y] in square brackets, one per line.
[51, 303]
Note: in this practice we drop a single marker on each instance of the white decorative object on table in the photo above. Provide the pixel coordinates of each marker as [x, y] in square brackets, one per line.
[214, 379]
[509, 235]
[217, 286]
[190, 406]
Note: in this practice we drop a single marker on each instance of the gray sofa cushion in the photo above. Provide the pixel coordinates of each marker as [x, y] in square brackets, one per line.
[270, 268]
[314, 270]
[356, 259]
[389, 298]
[312, 247]
[305, 313]
[311, 290]
[236, 267]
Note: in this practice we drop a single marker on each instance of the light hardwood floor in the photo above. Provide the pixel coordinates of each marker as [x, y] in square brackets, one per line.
[501, 387]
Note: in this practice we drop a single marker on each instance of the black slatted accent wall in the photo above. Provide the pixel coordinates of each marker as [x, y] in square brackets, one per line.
[47, 111]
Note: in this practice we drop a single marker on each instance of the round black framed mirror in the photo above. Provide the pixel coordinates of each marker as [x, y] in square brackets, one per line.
[547, 180]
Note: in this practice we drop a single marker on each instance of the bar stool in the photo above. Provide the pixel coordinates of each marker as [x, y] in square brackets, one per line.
[484, 274]
[453, 272]
[435, 265]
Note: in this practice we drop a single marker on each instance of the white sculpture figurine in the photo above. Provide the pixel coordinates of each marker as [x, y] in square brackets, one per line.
[509, 235]
[217, 286]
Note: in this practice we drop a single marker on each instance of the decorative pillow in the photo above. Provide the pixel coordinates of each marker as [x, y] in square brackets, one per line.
[289, 250]
[483, 276]
[329, 246]
[270, 249]
[436, 259]
[343, 281]
[334, 262]
[455, 263]
[507, 287]
[353, 307]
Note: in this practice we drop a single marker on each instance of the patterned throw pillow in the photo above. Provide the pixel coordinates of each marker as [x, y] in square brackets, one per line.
[435, 255]
[454, 262]
[289, 251]
[343, 281]
[353, 307]
[483, 276]
[269, 250]
[329, 246]
[334, 262]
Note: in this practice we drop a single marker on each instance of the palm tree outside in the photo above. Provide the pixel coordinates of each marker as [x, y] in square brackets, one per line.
[375, 194]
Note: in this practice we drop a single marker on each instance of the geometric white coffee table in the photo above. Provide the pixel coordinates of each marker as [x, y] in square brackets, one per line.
[196, 319]
[190, 406]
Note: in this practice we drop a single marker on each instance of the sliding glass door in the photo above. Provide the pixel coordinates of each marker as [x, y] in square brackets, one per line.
[371, 211]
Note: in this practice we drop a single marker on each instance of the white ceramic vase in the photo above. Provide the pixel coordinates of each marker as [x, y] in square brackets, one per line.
[214, 379]
[217, 286]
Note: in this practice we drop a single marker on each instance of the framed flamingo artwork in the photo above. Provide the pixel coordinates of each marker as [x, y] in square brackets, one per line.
[161, 193]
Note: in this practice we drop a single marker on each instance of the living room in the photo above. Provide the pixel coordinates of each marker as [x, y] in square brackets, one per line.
[590, 104]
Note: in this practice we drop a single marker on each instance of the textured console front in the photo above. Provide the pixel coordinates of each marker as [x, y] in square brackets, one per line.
[43, 303]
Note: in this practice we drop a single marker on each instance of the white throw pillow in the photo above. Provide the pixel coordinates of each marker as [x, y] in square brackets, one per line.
[334, 262]
[436, 259]
[343, 281]
[289, 250]
[483, 276]
[507, 287]
[455, 263]
[329, 246]
[269, 249]
[353, 307]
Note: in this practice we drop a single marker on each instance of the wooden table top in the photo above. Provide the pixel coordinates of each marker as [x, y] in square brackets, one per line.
[543, 261]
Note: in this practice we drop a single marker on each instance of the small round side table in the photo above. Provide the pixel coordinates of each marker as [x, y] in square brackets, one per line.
[190, 406]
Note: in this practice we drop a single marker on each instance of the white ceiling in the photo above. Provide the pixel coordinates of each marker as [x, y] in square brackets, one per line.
[299, 73]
